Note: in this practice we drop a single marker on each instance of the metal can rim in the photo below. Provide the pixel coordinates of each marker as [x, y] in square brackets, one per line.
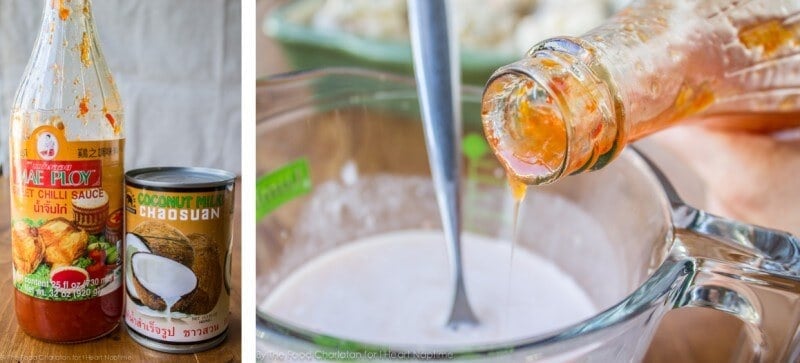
[176, 347]
[224, 177]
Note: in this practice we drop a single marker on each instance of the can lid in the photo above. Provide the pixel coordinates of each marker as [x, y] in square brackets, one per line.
[179, 177]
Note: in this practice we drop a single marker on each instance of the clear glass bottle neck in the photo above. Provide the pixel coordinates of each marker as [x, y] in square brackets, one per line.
[67, 78]
[553, 113]
[67, 10]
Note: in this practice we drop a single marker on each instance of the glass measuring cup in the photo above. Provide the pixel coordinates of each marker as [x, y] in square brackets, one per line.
[346, 133]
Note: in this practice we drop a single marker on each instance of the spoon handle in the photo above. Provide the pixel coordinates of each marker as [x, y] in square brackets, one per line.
[437, 74]
[437, 71]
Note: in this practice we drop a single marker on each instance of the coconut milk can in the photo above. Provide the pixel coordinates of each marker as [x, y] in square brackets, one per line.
[177, 251]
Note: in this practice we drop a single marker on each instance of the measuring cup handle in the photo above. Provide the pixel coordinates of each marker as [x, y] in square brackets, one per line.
[741, 281]
[780, 250]
[748, 271]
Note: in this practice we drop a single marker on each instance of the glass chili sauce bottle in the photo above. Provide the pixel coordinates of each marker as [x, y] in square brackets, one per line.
[66, 177]
[573, 103]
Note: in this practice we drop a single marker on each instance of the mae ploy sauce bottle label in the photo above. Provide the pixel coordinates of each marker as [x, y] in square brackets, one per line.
[66, 209]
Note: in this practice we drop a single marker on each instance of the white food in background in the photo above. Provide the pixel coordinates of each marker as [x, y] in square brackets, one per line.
[485, 24]
[557, 18]
[505, 26]
[377, 19]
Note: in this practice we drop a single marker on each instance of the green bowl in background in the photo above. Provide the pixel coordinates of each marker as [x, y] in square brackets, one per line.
[306, 47]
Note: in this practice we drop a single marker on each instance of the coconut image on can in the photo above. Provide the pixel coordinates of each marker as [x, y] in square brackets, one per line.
[177, 242]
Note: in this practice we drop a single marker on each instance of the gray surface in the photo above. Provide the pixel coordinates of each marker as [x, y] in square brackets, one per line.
[177, 64]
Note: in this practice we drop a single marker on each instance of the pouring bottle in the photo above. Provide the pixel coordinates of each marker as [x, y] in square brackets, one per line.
[573, 103]
[66, 170]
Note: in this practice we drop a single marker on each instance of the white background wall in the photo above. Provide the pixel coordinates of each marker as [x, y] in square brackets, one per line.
[177, 64]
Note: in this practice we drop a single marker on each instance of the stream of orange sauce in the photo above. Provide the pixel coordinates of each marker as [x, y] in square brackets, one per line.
[518, 188]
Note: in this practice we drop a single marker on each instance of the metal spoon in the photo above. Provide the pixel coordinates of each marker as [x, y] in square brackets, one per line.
[436, 66]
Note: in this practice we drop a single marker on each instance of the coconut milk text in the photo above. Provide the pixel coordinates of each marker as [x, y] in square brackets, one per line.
[180, 208]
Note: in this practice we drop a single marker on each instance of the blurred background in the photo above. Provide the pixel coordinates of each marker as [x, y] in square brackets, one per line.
[303, 34]
[374, 34]
[177, 64]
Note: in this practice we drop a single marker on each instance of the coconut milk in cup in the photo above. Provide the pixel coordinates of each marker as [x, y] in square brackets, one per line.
[391, 288]
[177, 255]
